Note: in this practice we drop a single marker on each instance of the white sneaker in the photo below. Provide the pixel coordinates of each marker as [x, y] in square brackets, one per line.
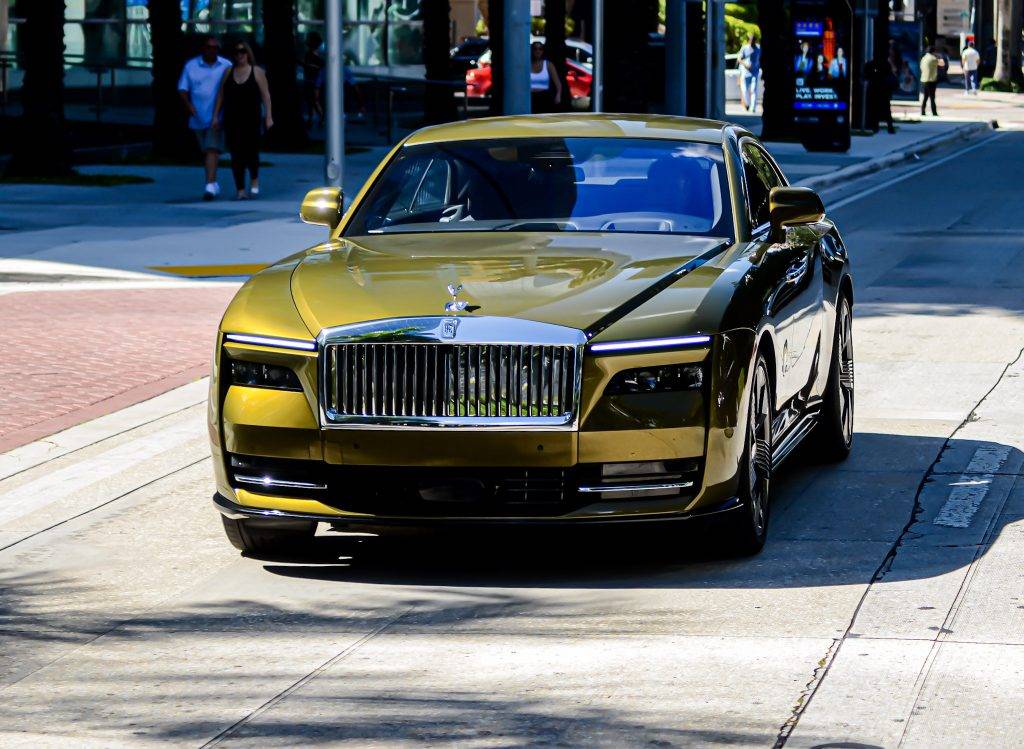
[212, 190]
[254, 191]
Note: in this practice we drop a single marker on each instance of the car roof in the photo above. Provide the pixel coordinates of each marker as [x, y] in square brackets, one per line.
[577, 125]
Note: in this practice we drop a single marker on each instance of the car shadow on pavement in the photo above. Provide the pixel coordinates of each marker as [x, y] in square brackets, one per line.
[830, 525]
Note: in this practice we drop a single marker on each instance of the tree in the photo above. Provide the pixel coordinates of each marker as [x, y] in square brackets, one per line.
[554, 44]
[42, 146]
[171, 137]
[439, 104]
[776, 55]
[627, 54]
[289, 132]
[1008, 42]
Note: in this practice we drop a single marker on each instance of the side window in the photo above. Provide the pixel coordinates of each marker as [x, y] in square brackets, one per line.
[760, 179]
[433, 192]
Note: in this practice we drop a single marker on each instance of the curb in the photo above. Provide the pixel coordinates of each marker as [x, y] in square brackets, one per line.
[824, 181]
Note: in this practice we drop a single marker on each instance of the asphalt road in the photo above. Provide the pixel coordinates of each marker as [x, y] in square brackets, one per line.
[886, 610]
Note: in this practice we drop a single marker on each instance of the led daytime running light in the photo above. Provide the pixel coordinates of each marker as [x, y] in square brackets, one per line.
[650, 343]
[259, 340]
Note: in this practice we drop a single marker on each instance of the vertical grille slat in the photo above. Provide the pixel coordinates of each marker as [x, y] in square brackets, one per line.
[479, 381]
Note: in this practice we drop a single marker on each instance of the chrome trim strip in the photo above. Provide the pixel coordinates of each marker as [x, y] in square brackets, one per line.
[603, 488]
[650, 343]
[278, 483]
[793, 438]
[261, 340]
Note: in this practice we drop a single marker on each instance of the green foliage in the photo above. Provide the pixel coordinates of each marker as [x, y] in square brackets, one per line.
[742, 11]
[736, 32]
[994, 84]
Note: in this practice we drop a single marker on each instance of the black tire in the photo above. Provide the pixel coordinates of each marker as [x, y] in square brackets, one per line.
[253, 537]
[833, 437]
[747, 527]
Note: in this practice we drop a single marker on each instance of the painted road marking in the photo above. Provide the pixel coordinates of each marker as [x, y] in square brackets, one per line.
[969, 492]
[210, 271]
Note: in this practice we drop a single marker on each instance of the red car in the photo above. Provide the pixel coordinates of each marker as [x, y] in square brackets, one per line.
[478, 81]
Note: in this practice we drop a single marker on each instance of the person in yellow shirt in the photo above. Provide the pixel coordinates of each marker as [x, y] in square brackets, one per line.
[929, 79]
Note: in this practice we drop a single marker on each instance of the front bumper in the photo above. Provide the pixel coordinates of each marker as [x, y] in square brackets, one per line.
[242, 512]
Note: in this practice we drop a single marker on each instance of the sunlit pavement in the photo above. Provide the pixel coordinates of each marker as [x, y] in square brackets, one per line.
[886, 610]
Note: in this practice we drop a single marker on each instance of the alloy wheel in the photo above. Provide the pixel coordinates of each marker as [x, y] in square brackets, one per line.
[845, 343]
[759, 451]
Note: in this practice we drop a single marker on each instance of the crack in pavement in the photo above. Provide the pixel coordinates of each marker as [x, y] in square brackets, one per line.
[825, 664]
[805, 694]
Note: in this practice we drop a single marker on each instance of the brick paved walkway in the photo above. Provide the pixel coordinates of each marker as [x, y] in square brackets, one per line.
[70, 356]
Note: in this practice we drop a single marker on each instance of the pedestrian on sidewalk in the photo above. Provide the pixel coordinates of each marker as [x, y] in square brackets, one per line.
[545, 85]
[929, 79]
[879, 80]
[750, 72]
[969, 60]
[198, 86]
[243, 108]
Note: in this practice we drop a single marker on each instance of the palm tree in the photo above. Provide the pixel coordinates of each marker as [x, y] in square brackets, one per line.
[439, 105]
[1008, 41]
[281, 52]
[171, 137]
[42, 147]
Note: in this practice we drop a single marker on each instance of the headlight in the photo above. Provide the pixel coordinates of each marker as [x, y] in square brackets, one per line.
[664, 379]
[255, 374]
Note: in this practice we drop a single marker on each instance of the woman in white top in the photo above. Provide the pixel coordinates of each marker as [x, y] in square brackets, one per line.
[545, 85]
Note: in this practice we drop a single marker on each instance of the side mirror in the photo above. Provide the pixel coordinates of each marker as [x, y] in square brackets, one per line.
[322, 206]
[793, 206]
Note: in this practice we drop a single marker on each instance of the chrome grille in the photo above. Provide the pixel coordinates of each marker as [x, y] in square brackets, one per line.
[479, 381]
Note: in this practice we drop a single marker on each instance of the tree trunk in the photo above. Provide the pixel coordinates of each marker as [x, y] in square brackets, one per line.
[1004, 31]
[289, 132]
[439, 102]
[171, 136]
[776, 54]
[42, 145]
[554, 46]
[627, 54]
[1016, 22]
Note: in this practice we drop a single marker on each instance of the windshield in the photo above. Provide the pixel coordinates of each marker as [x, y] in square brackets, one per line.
[550, 184]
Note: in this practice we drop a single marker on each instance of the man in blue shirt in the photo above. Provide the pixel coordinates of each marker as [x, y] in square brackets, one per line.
[750, 72]
[198, 86]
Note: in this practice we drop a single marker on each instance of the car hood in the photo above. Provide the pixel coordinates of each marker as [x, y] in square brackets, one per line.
[566, 278]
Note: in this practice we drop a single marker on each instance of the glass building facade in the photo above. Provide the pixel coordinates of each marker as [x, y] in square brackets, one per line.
[115, 33]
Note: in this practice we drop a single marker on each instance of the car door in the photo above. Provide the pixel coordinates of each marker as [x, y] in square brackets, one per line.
[795, 302]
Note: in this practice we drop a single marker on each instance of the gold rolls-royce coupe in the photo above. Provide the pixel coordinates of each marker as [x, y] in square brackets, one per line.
[565, 319]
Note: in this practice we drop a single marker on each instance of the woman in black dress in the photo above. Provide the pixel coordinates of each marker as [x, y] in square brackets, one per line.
[243, 109]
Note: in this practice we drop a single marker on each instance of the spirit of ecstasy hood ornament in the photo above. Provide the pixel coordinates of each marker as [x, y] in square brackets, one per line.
[456, 304]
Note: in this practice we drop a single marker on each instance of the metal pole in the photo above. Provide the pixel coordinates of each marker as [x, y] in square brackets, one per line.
[334, 148]
[675, 57]
[516, 65]
[714, 48]
[597, 82]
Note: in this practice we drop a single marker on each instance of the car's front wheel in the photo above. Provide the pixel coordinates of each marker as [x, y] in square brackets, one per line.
[259, 538]
[834, 434]
[747, 526]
